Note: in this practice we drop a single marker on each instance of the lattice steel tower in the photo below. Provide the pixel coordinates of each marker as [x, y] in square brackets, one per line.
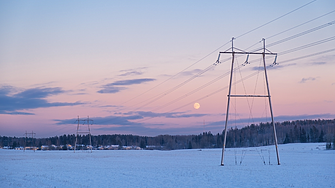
[88, 121]
[267, 95]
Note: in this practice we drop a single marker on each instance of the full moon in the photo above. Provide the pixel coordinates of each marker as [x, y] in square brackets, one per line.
[196, 105]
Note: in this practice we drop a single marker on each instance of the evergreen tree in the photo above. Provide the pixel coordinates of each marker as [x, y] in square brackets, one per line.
[142, 144]
[303, 137]
[296, 133]
[189, 145]
[287, 139]
[14, 145]
[322, 134]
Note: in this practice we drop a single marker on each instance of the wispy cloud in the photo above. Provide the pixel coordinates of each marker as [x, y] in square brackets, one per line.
[246, 121]
[325, 58]
[111, 89]
[273, 67]
[114, 87]
[125, 118]
[77, 92]
[44, 84]
[194, 72]
[36, 93]
[132, 82]
[5, 90]
[153, 130]
[131, 122]
[108, 120]
[132, 72]
[319, 63]
[28, 99]
[279, 66]
[127, 124]
[109, 106]
[17, 113]
[304, 80]
[166, 115]
[191, 72]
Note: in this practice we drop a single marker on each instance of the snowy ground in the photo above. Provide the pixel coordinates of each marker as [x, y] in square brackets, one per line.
[302, 165]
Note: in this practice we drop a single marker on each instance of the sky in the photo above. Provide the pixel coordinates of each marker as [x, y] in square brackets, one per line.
[138, 67]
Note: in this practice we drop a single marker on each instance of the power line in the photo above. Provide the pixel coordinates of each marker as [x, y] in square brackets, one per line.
[307, 45]
[310, 55]
[236, 82]
[178, 72]
[227, 73]
[292, 28]
[299, 34]
[275, 19]
[300, 24]
[194, 91]
[178, 86]
[303, 47]
[272, 44]
[208, 68]
[220, 48]
[251, 75]
[282, 53]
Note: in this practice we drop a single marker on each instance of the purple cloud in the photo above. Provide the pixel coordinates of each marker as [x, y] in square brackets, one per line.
[304, 80]
[111, 87]
[124, 119]
[192, 72]
[132, 72]
[28, 99]
[132, 82]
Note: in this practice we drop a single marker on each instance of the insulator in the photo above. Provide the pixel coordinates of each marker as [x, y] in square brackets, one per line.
[246, 61]
[274, 62]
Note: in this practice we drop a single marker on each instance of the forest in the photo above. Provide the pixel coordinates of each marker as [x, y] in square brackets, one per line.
[300, 131]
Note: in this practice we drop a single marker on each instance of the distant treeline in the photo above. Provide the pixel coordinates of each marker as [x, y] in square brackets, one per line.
[300, 131]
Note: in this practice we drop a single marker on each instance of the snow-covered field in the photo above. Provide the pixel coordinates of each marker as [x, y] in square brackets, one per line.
[302, 165]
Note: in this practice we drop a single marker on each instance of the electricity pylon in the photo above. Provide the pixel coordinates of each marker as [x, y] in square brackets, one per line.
[32, 140]
[229, 92]
[88, 121]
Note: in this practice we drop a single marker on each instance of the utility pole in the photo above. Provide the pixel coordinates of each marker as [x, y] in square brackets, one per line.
[88, 121]
[229, 93]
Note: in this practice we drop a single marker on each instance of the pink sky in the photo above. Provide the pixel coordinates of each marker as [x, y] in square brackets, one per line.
[111, 60]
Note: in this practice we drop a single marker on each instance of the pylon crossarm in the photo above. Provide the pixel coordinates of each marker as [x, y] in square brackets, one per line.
[256, 53]
[248, 95]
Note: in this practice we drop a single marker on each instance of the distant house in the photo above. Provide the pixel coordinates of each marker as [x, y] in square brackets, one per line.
[131, 148]
[19, 148]
[69, 146]
[114, 147]
[30, 148]
[44, 147]
[101, 148]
